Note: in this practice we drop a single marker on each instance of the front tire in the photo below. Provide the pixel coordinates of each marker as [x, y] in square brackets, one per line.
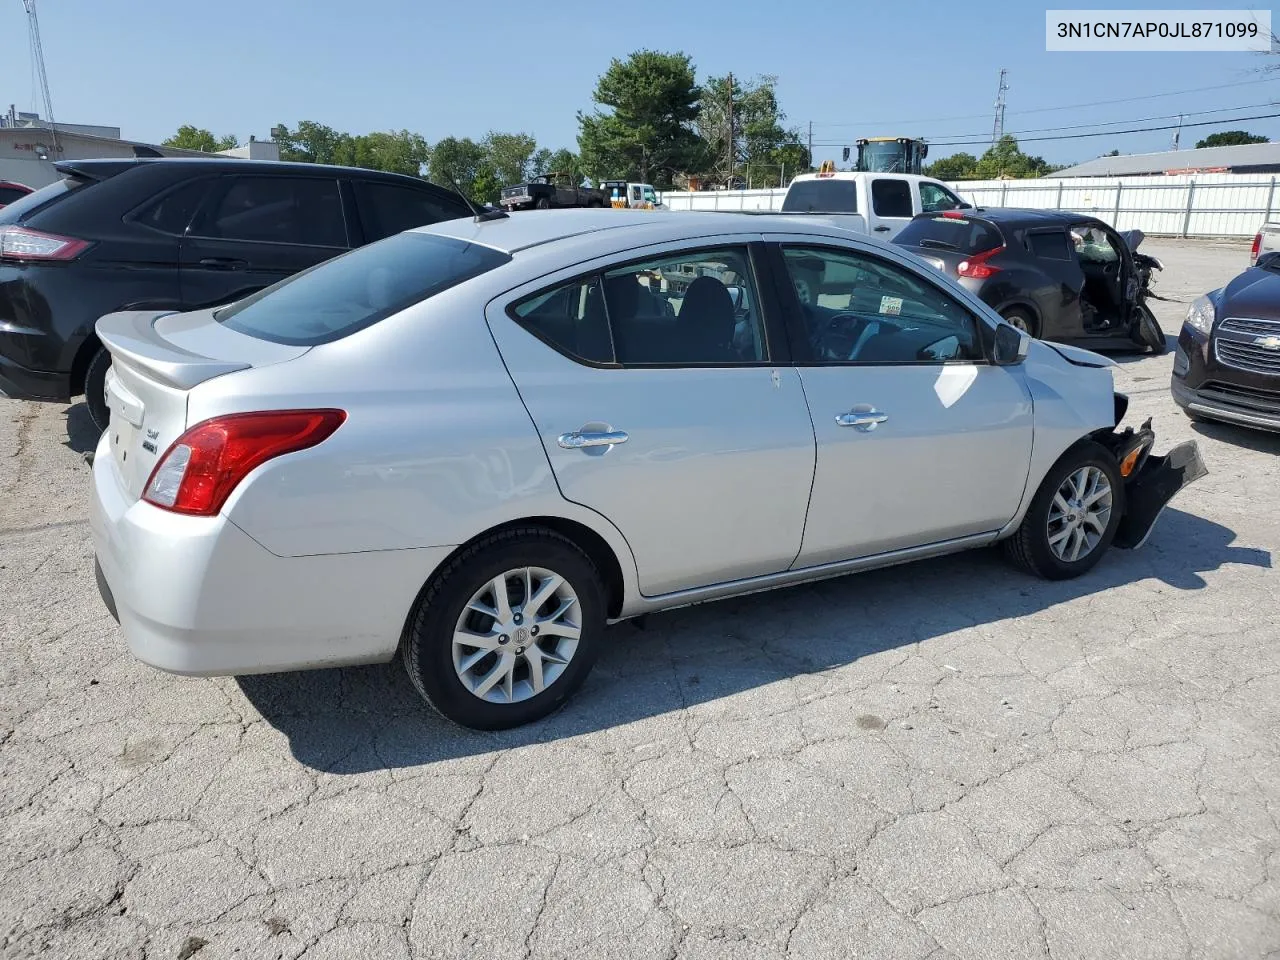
[1073, 517]
[507, 630]
[543, 203]
[1149, 333]
[95, 389]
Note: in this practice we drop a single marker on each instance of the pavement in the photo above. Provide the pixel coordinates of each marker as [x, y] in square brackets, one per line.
[944, 760]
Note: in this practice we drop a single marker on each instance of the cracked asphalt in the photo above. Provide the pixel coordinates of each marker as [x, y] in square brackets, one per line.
[943, 760]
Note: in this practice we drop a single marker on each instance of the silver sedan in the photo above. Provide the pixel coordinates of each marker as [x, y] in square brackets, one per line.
[475, 444]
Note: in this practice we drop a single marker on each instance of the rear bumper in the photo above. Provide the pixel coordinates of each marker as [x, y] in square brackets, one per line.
[19, 383]
[197, 595]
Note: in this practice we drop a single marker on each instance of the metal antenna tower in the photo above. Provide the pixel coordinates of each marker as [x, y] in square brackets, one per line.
[37, 53]
[997, 129]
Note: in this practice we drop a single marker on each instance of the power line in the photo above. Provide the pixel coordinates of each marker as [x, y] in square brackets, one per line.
[1110, 133]
[1069, 106]
[1101, 123]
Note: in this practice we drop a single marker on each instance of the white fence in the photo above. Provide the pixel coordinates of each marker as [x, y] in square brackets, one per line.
[1183, 205]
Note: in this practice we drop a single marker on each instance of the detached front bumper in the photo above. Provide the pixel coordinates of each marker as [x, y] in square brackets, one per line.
[1150, 481]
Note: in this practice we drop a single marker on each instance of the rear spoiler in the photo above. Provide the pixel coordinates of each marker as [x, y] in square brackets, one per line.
[95, 170]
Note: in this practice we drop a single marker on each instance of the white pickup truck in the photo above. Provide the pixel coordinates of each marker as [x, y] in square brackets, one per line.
[1267, 240]
[880, 204]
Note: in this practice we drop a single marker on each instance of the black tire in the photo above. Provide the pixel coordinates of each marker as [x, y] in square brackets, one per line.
[1029, 547]
[1149, 333]
[542, 203]
[1023, 320]
[95, 389]
[427, 649]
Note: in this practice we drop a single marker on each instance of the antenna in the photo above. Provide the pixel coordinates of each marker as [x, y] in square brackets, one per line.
[997, 129]
[37, 54]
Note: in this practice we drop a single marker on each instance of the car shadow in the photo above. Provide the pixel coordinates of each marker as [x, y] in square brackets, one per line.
[82, 435]
[361, 719]
[1262, 441]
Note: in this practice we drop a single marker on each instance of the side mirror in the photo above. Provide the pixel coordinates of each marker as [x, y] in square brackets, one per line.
[1011, 346]
[738, 295]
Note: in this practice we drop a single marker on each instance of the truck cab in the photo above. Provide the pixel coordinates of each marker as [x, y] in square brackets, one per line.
[623, 195]
[879, 204]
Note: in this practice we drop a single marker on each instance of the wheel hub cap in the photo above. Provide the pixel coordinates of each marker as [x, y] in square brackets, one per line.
[516, 635]
[1079, 514]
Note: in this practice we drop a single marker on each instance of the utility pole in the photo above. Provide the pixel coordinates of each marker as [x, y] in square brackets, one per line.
[810, 143]
[997, 129]
[1177, 133]
[37, 54]
[729, 179]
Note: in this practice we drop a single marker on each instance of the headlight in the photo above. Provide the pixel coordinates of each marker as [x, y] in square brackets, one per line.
[1201, 314]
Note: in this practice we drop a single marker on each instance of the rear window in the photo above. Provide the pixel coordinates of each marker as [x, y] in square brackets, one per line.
[21, 208]
[338, 297]
[821, 196]
[10, 194]
[961, 234]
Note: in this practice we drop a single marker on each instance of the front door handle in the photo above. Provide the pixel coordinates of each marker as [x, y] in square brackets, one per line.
[864, 420]
[882, 229]
[579, 439]
[223, 263]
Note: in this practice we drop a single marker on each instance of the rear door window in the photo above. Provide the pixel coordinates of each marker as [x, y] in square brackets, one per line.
[1050, 245]
[961, 234]
[891, 198]
[348, 293]
[297, 210]
[172, 213]
[821, 196]
[387, 208]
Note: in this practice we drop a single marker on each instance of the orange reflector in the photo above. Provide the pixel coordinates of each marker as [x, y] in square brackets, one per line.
[1129, 462]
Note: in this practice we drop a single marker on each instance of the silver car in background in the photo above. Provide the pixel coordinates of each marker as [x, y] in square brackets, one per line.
[476, 443]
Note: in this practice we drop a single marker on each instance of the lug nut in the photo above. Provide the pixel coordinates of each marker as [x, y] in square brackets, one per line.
[519, 619]
[519, 649]
[503, 639]
[533, 631]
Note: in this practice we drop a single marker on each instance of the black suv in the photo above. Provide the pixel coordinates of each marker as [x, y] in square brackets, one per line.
[1057, 275]
[179, 234]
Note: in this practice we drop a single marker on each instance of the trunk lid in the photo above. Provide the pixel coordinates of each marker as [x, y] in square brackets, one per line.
[157, 358]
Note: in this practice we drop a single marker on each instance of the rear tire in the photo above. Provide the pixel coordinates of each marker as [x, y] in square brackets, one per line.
[542, 203]
[1059, 538]
[508, 648]
[1023, 320]
[95, 389]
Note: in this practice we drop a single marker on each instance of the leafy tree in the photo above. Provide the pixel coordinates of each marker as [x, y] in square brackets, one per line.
[510, 155]
[393, 151]
[958, 166]
[1231, 138]
[557, 161]
[1006, 160]
[647, 131]
[196, 138]
[761, 147]
[315, 142]
[488, 184]
[461, 162]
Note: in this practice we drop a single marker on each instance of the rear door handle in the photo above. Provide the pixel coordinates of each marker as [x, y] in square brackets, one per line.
[864, 420]
[579, 439]
[882, 229]
[223, 263]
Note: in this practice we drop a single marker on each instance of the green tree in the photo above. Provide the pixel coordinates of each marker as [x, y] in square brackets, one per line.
[196, 138]
[762, 148]
[460, 162]
[488, 183]
[314, 142]
[958, 166]
[1006, 160]
[646, 132]
[556, 161]
[510, 155]
[1231, 138]
[394, 151]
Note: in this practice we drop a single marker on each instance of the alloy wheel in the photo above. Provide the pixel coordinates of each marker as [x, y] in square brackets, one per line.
[516, 635]
[1079, 514]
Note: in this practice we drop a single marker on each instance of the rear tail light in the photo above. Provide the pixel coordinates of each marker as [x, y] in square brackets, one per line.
[976, 266]
[23, 243]
[198, 472]
[1253, 251]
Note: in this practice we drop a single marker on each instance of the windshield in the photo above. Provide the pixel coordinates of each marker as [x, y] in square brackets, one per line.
[883, 158]
[961, 234]
[821, 196]
[348, 293]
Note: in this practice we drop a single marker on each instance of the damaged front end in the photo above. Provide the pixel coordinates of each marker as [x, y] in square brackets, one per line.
[1150, 481]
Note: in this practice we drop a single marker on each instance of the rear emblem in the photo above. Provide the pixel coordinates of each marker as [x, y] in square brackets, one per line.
[1267, 343]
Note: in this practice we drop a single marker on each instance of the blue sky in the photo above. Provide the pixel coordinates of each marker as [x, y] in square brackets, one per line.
[445, 68]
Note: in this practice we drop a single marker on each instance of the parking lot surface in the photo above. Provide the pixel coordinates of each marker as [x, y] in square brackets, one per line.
[942, 760]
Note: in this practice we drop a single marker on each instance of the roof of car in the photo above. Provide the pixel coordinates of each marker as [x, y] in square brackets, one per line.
[1014, 215]
[532, 228]
[856, 174]
[235, 164]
